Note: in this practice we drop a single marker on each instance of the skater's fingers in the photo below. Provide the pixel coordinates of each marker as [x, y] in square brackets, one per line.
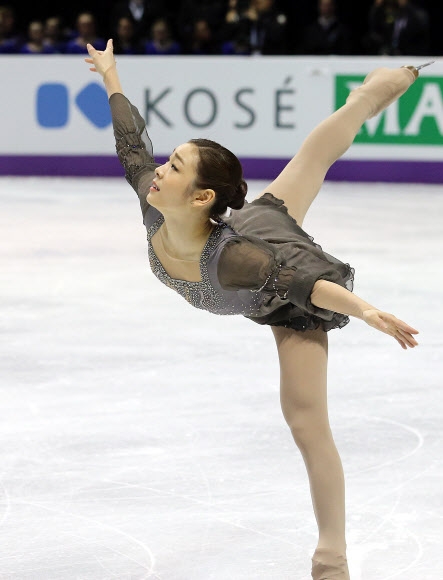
[407, 338]
[406, 327]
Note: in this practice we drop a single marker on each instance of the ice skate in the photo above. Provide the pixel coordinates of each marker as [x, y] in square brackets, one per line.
[329, 565]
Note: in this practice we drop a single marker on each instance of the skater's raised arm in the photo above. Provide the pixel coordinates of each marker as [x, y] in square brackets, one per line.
[134, 148]
[103, 62]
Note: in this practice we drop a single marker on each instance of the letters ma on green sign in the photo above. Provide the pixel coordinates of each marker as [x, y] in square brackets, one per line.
[415, 119]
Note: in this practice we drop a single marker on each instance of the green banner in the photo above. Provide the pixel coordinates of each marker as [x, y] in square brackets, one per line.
[415, 119]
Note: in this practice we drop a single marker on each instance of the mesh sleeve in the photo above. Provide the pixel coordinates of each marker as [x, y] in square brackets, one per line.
[255, 265]
[133, 146]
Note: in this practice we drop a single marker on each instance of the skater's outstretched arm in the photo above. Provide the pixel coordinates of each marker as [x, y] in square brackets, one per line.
[134, 148]
[333, 297]
[300, 181]
[317, 287]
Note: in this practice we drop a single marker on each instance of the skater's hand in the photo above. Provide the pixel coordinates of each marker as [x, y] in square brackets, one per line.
[391, 325]
[101, 60]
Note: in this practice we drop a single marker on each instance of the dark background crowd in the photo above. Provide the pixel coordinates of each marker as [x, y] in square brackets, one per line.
[229, 27]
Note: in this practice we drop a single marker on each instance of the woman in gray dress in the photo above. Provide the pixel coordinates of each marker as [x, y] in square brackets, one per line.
[260, 263]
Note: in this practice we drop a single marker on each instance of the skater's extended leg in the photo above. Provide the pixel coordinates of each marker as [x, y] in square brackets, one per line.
[301, 179]
[303, 367]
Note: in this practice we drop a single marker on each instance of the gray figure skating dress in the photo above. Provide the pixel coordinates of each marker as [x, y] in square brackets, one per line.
[257, 262]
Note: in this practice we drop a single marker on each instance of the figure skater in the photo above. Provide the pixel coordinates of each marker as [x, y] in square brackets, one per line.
[259, 262]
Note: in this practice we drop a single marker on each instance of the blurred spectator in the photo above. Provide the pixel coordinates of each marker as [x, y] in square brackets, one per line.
[193, 11]
[10, 41]
[202, 39]
[53, 34]
[397, 27]
[124, 39]
[327, 35]
[261, 29]
[162, 42]
[35, 44]
[142, 13]
[235, 43]
[85, 34]
[235, 8]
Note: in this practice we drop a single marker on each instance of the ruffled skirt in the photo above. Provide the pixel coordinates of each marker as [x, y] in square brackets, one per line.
[267, 218]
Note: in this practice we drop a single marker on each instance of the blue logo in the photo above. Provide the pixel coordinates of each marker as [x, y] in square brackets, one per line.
[53, 105]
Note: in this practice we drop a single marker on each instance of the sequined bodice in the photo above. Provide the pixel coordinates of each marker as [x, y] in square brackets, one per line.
[203, 294]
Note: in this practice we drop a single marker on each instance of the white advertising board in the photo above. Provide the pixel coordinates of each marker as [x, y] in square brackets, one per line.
[257, 106]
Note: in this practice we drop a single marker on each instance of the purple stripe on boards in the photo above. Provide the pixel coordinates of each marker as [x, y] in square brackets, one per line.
[356, 170]
[254, 168]
[387, 171]
[60, 165]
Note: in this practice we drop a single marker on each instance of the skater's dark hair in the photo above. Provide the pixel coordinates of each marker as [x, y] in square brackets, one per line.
[220, 170]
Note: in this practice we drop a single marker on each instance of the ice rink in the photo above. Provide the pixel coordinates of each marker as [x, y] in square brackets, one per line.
[143, 439]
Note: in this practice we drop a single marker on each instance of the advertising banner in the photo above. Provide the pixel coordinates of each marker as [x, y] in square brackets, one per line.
[55, 117]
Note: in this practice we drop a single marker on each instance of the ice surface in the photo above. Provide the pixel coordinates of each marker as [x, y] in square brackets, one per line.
[143, 439]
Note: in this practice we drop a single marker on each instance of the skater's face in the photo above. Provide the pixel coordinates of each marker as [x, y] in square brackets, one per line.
[173, 188]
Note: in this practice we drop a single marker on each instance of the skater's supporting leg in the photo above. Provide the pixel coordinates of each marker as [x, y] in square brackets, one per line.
[303, 365]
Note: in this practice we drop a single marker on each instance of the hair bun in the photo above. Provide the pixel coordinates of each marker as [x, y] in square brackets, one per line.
[238, 199]
[220, 170]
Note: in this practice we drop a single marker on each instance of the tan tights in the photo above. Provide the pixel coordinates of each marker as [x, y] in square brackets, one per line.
[303, 367]
[303, 355]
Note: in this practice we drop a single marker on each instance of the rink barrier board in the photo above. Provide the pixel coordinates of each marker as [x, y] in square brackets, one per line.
[395, 171]
[260, 108]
